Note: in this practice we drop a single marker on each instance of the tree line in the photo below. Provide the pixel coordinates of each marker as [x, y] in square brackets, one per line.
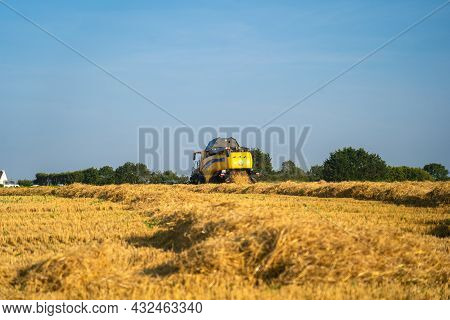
[347, 164]
[134, 173]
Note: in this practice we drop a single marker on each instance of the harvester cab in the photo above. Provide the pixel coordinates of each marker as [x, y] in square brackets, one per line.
[223, 160]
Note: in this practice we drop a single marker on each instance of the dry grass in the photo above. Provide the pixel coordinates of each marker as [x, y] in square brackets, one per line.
[225, 242]
[240, 177]
[410, 193]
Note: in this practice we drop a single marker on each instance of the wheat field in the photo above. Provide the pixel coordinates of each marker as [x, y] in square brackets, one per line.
[262, 241]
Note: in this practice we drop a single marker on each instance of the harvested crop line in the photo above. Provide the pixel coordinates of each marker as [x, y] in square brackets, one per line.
[426, 194]
[409, 193]
[225, 241]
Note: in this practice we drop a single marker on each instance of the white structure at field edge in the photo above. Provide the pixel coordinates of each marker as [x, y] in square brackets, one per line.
[3, 177]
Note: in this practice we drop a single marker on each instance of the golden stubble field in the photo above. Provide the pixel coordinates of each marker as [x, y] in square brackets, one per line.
[261, 241]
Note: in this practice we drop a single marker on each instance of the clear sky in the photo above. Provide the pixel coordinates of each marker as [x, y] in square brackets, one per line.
[221, 63]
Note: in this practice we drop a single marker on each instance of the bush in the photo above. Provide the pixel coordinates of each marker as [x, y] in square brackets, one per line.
[106, 175]
[349, 164]
[132, 173]
[128, 173]
[91, 176]
[167, 177]
[315, 173]
[288, 171]
[404, 173]
[42, 179]
[262, 162]
[25, 183]
[437, 171]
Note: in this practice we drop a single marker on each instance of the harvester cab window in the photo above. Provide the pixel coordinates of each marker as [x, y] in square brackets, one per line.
[196, 160]
[219, 145]
[222, 143]
[211, 144]
[196, 164]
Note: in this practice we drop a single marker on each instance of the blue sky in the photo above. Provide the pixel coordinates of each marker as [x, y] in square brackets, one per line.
[221, 63]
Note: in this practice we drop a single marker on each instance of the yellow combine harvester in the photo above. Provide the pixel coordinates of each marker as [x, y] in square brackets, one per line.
[221, 161]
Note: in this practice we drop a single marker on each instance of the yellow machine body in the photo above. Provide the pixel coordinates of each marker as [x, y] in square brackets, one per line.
[222, 161]
[234, 160]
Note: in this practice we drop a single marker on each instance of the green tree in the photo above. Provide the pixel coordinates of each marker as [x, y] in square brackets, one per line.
[42, 179]
[75, 177]
[437, 171]
[315, 173]
[288, 167]
[132, 173]
[350, 164]
[262, 162]
[106, 175]
[127, 173]
[417, 174]
[396, 174]
[25, 183]
[404, 173]
[91, 176]
[289, 171]
[143, 173]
